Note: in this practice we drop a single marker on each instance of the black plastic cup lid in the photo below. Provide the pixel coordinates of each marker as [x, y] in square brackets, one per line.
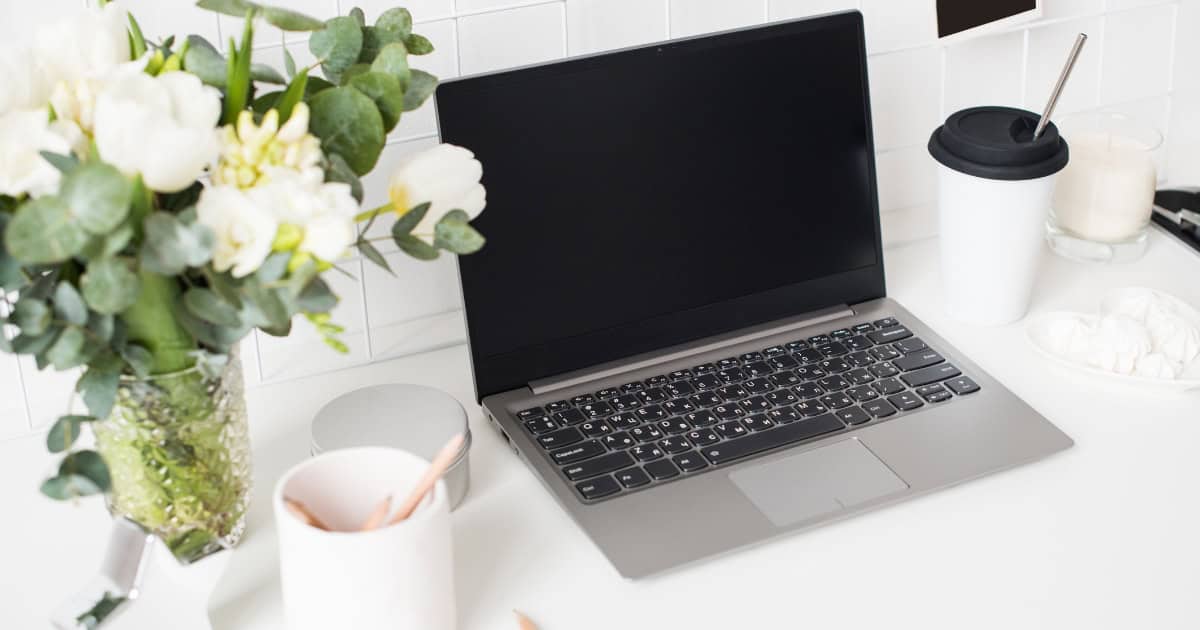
[997, 143]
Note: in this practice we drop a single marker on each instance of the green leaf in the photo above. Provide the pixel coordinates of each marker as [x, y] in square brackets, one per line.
[393, 60]
[274, 267]
[67, 351]
[374, 40]
[151, 323]
[289, 62]
[317, 297]
[103, 327]
[219, 338]
[237, 74]
[87, 464]
[236, 8]
[11, 276]
[204, 61]
[31, 316]
[409, 220]
[64, 432]
[371, 253]
[266, 74]
[292, 96]
[64, 163]
[262, 307]
[44, 231]
[98, 387]
[349, 124]
[289, 20]
[337, 170]
[109, 244]
[35, 344]
[266, 102]
[385, 90]
[397, 20]
[416, 247]
[418, 45]
[208, 306]
[69, 305]
[337, 45]
[420, 86]
[359, 16]
[353, 71]
[453, 233]
[109, 286]
[67, 487]
[98, 195]
[138, 358]
[170, 246]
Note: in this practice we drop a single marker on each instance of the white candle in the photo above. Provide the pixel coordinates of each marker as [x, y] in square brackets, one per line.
[1106, 192]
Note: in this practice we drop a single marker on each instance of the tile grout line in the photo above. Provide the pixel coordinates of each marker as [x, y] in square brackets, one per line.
[366, 317]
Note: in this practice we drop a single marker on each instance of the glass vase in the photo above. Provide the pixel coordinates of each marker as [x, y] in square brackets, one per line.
[178, 448]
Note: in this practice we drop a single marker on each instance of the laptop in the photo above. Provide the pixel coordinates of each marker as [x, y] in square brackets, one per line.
[680, 321]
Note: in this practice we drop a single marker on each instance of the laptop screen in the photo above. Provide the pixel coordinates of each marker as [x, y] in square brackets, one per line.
[650, 197]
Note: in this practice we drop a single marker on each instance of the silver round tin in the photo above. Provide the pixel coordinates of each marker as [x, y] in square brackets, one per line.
[414, 418]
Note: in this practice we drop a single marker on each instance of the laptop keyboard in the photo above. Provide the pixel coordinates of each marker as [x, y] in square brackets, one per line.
[643, 433]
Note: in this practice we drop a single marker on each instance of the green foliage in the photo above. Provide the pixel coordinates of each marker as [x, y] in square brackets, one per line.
[416, 247]
[337, 170]
[151, 324]
[386, 91]
[109, 286]
[44, 231]
[69, 305]
[454, 233]
[371, 253]
[337, 46]
[409, 220]
[65, 431]
[393, 60]
[208, 306]
[98, 196]
[137, 41]
[293, 95]
[283, 18]
[397, 20]
[64, 163]
[348, 124]
[237, 74]
[418, 45]
[11, 276]
[171, 246]
[420, 87]
[80, 474]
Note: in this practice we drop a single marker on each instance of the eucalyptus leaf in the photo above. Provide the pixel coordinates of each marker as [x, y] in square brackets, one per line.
[371, 253]
[109, 286]
[67, 487]
[374, 40]
[64, 432]
[208, 306]
[98, 196]
[289, 62]
[266, 102]
[204, 61]
[236, 8]
[103, 327]
[274, 267]
[289, 20]
[339, 171]
[416, 247]
[31, 316]
[455, 234]
[220, 338]
[317, 297]
[98, 387]
[420, 87]
[393, 60]
[359, 16]
[35, 344]
[44, 231]
[386, 91]
[262, 307]
[11, 276]
[337, 45]
[398, 20]
[138, 358]
[64, 163]
[418, 44]
[170, 246]
[88, 464]
[69, 305]
[67, 351]
[109, 244]
[348, 124]
[266, 74]
[409, 220]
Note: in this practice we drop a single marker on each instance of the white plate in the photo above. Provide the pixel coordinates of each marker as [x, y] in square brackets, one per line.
[1038, 332]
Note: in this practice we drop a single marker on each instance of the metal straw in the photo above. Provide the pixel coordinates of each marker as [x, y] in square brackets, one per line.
[1058, 88]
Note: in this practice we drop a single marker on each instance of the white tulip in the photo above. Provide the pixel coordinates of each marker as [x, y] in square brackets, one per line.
[26, 86]
[446, 176]
[23, 134]
[161, 127]
[244, 230]
[83, 44]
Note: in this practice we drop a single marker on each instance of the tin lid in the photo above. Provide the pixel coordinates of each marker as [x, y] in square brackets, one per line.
[997, 143]
[413, 418]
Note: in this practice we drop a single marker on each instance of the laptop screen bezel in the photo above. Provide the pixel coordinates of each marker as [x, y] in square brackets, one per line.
[494, 374]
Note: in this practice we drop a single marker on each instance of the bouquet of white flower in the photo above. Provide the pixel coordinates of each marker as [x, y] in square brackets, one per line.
[158, 201]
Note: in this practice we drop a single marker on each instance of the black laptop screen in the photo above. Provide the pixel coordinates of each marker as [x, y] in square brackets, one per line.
[650, 197]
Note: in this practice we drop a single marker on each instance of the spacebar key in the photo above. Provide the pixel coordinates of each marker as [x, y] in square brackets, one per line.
[773, 438]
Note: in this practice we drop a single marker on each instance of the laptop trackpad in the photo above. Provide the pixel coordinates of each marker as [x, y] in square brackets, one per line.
[817, 482]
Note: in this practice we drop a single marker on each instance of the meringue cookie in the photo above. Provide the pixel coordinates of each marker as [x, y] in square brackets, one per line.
[1070, 336]
[1172, 335]
[1117, 343]
[1155, 365]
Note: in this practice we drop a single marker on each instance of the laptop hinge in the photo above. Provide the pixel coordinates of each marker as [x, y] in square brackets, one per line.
[700, 346]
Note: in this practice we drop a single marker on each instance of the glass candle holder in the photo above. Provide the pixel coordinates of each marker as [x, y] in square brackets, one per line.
[1103, 199]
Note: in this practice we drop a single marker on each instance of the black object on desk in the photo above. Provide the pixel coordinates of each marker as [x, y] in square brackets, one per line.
[1173, 200]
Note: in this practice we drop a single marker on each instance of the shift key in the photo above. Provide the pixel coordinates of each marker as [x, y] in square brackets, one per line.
[598, 466]
[930, 375]
[572, 454]
[918, 360]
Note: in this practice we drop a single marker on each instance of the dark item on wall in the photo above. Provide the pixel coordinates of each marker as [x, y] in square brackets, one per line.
[1171, 201]
[956, 16]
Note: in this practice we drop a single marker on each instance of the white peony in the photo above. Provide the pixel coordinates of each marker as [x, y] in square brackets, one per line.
[446, 176]
[323, 211]
[23, 135]
[244, 230]
[25, 84]
[161, 127]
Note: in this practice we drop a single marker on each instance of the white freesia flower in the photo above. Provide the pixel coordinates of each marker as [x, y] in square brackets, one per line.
[161, 127]
[244, 230]
[250, 152]
[323, 211]
[23, 134]
[25, 84]
[446, 176]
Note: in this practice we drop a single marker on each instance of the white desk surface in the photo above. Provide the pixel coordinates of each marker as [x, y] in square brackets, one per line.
[1104, 535]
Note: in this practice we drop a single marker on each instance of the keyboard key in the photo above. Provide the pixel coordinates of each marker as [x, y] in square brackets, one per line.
[647, 433]
[889, 335]
[630, 388]
[646, 452]
[558, 406]
[618, 441]
[595, 428]
[860, 359]
[930, 375]
[632, 477]
[879, 408]
[651, 413]
[962, 386]
[728, 412]
[657, 381]
[757, 368]
[888, 386]
[680, 389]
[783, 362]
[758, 386]
[884, 353]
[597, 409]
[834, 349]
[782, 397]
[779, 436]
[810, 372]
[863, 327]
[751, 357]
[858, 343]
[653, 395]
[731, 393]
[796, 346]
[818, 340]
[690, 462]
[704, 368]
[784, 379]
[918, 360]
[834, 366]
[539, 426]
[731, 430]
[678, 407]
[679, 375]
[784, 415]
[625, 402]
[725, 364]
[531, 413]
[607, 393]
[706, 399]
[938, 397]
[884, 370]
[703, 437]
[702, 418]
[674, 426]
[810, 355]
[624, 421]
[758, 423]
[886, 322]
[859, 377]
[807, 390]
[905, 401]
[576, 453]
[853, 415]
[833, 383]
[909, 346]
[598, 466]
[731, 375]
[841, 334]
[707, 381]
[774, 351]
[925, 390]
[583, 399]
[570, 416]
[755, 404]
[598, 488]
[810, 408]
[836, 401]
[862, 393]
[562, 437]
[661, 469]
[674, 445]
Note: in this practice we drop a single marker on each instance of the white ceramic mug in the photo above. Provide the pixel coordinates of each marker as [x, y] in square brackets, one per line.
[398, 576]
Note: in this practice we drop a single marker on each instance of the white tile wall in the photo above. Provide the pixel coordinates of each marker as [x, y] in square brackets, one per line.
[1143, 58]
